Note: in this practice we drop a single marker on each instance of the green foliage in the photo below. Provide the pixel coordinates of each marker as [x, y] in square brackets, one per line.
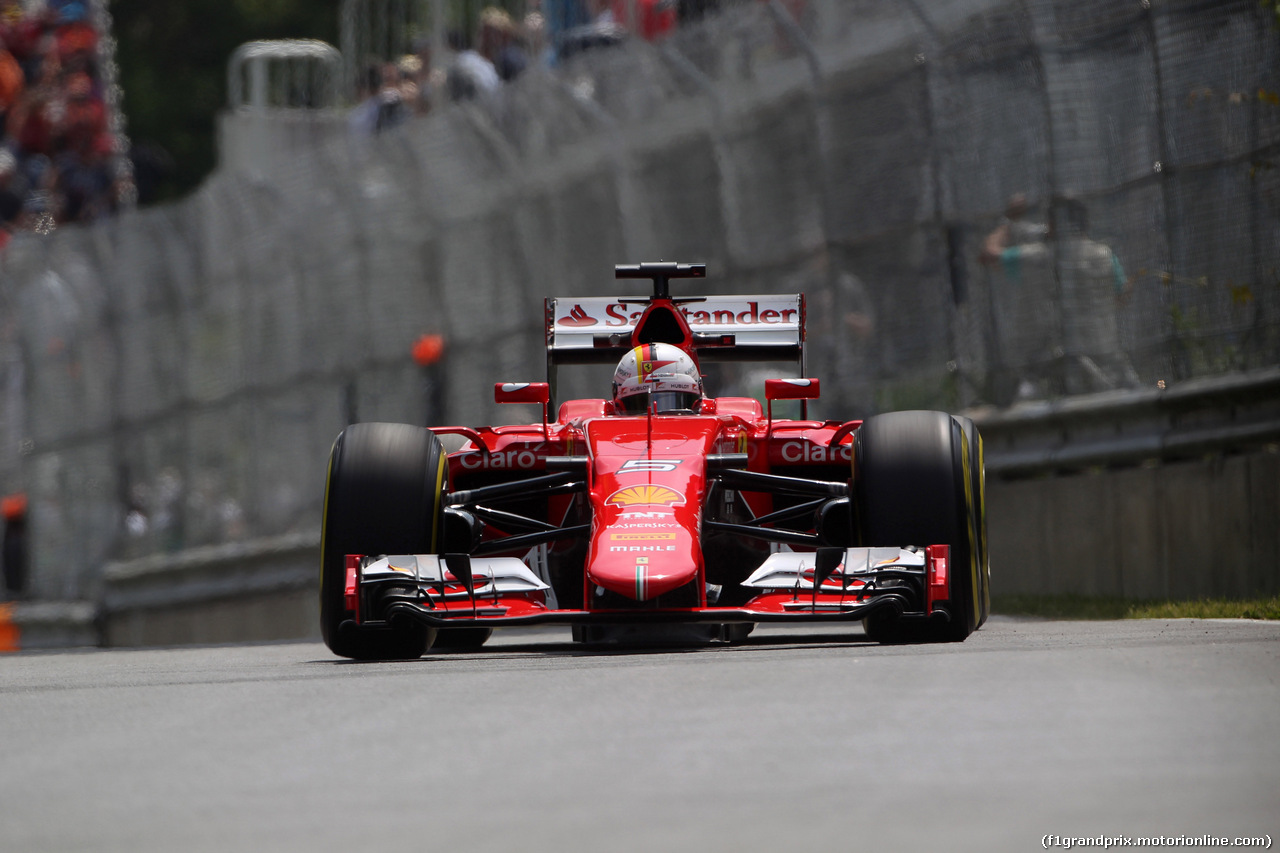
[1272, 6]
[1060, 606]
[920, 390]
[173, 67]
[1110, 607]
[1208, 608]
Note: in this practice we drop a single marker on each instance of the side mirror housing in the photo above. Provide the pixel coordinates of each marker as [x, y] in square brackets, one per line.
[791, 389]
[522, 392]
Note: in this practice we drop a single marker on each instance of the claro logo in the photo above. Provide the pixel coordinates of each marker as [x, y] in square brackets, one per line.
[807, 451]
[501, 460]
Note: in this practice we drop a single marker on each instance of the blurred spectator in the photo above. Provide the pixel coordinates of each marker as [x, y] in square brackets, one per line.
[59, 156]
[1093, 287]
[1086, 354]
[153, 167]
[600, 30]
[470, 74]
[1014, 230]
[13, 511]
[11, 189]
[421, 87]
[534, 30]
[500, 44]
[841, 333]
[648, 19]
[383, 104]
[604, 23]
[12, 81]
[694, 10]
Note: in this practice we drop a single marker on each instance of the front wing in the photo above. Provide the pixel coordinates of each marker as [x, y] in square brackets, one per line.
[830, 585]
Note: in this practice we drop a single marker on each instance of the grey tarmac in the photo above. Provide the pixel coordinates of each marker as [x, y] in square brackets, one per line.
[800, 739]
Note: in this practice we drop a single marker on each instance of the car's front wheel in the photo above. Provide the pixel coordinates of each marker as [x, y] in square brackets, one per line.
[914, 485]
[383, 495]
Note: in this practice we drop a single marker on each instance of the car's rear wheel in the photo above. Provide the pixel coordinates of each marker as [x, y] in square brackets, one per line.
[913, 486]
[383, 496]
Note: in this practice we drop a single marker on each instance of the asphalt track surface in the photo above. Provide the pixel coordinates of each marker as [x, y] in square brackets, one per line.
[797, 740]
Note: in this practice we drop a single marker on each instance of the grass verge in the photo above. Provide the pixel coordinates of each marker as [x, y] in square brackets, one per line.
[1105, 607]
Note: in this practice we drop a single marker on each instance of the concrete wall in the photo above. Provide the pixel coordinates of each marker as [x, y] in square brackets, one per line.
[1181, 530]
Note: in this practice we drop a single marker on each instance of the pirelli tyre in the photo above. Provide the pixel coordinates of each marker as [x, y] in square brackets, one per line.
[383, 495]
[913, 485]
[978, 502]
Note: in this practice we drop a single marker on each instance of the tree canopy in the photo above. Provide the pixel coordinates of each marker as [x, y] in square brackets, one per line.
[173, 58]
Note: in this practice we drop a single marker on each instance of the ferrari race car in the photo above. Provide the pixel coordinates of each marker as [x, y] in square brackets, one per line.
[659, 514]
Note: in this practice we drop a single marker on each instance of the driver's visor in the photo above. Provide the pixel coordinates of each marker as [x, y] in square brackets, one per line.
[663, 402]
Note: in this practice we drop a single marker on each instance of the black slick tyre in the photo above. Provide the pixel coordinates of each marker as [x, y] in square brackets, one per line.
[383, 495]
[978, 505]
[912, 486]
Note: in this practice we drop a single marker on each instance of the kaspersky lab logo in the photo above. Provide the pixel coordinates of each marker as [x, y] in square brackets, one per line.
[645, 496]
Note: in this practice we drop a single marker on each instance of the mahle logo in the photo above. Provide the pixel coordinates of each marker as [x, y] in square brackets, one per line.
[645, 496]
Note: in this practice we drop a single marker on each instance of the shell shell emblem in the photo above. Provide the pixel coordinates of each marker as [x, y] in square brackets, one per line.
[645, 496]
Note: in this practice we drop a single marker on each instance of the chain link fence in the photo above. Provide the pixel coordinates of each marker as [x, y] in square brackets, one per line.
[985, 201]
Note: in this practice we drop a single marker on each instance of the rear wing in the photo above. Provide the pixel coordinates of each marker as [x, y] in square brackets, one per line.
[600, 329]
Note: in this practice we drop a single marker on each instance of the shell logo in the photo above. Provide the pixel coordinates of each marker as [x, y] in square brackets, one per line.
[645, 496]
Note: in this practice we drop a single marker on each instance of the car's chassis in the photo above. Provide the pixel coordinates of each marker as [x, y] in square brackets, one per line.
[720, 516]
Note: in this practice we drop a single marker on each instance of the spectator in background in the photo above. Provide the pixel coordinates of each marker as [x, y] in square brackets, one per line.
[842, 329]
[470, 74]
[11, 191]
[500, 44]
[600, 30]
[55, 120]
[421, 86]
[1085, 352]
[13, 553]
[11, 196]
[12, 81]
[1093, 287]
[1021, 285]
[382, 106]
[1014, 230]
[695, 10]
[649, 19]
[152, 167]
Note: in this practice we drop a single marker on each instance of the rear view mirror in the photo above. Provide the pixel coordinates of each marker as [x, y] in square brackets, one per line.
[524, 392]
[521, 392]
[791, 389]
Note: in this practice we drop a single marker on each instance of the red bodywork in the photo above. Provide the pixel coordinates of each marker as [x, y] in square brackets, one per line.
[646, 552]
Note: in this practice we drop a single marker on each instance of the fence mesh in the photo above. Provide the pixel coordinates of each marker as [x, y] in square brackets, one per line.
[175, 377]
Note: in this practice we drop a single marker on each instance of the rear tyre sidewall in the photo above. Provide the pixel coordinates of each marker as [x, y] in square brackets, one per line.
[978, 505]
[912, 487]
[383, 495]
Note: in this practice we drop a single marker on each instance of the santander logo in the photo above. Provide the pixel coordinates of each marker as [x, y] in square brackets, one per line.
[578, 317]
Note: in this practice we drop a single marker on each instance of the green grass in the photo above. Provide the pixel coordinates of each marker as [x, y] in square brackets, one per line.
[1106, 607]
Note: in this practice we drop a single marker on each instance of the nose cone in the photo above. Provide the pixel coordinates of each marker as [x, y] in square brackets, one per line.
[640, 575]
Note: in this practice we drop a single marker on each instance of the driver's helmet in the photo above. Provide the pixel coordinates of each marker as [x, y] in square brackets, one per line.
[659, 374]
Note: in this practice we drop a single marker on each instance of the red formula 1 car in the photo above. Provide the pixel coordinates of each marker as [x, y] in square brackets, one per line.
[657, 514]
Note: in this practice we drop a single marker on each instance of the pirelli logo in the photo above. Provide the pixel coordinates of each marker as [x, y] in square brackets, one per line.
[641, 537]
